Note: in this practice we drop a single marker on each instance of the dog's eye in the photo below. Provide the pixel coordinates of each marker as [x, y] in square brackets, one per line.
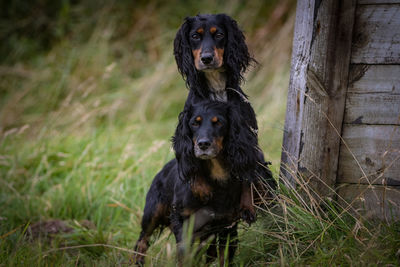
[219, 35]
[195, 36]
[196, 122]
[216, 121]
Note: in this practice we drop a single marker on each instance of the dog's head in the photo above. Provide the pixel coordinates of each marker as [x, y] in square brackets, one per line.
[207, 39]
[208, 126]
[208, 43]
[209, 129]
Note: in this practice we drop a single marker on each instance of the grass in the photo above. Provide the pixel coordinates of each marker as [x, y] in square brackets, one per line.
[86, 122]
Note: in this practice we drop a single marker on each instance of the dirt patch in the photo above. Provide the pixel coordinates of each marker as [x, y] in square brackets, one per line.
[51, 228]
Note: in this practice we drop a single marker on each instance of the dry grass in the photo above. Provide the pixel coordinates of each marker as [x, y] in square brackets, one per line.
[85, 126]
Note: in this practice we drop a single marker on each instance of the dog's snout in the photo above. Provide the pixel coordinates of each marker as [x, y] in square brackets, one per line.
[204, 144]
[207, 58]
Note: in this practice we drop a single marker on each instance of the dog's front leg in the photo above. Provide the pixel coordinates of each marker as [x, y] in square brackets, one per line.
[247, 210]
[202, 217]
[177, 229]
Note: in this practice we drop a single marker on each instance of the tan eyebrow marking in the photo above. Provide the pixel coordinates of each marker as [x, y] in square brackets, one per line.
[200, 30]
[213, 29]
[198, 119]
[214, 119]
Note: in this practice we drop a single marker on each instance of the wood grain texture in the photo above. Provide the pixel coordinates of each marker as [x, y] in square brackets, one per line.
[376, 38]
[374, 79]
[374, 108]
[371, 2]
[381, 202]
[377, 150]
[303, 31]
[317, 90]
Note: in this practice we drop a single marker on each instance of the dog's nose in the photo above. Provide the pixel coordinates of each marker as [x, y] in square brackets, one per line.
[207, 58]
[203, 144]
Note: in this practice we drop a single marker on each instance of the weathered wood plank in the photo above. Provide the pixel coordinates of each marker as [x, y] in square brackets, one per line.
[381, 202]
[376, 38]
[372, 109]
[371, 2]
[303, 31]
[377, 150]
[317, 91]
[374, 79]
[326, 84]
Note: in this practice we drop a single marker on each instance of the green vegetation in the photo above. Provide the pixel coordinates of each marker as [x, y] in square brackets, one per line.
[89, 98]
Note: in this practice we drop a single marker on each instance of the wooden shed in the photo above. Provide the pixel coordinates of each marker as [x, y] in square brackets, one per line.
[342, 128]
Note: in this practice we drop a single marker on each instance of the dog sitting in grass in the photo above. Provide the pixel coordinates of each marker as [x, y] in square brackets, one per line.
[215, 144]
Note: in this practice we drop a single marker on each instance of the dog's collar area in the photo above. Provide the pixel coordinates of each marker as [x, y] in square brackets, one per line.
[216, 80]
[219, 96]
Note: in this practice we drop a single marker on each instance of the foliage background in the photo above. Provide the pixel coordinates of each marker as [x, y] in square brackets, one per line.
[89, 98]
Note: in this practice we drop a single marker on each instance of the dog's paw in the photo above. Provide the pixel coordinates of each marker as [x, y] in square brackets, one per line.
[248, 216]
[137, 260]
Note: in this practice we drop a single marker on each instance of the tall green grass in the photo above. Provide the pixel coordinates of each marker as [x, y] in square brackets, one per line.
[86, 120]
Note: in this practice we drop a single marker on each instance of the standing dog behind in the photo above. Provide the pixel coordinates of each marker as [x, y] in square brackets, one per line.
[216, 141]
[212, 55]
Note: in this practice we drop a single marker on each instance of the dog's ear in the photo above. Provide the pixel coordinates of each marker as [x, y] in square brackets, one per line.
[236, 53]
[183, 147]
[242, 146]
[183, 52]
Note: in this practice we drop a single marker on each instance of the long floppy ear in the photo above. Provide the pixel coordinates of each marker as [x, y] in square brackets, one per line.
[242, 146]
[183, 53]
[236, 53]
[183, 146]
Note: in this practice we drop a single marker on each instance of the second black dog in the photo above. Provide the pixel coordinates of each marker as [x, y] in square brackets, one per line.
[216, 139]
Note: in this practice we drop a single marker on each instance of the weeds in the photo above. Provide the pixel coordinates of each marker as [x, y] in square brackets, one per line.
[86, 122]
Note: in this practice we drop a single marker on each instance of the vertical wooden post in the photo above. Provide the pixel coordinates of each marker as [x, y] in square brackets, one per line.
[317, 91]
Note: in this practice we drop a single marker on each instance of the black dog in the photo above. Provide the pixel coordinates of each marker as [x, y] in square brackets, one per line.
[215, 142]
[212, 55]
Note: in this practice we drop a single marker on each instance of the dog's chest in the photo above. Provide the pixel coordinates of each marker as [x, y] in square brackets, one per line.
[205, 188]
[216, 81]
[218, 172]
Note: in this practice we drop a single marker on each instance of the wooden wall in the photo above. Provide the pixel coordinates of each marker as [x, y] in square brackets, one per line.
[342, 127]
[317, 91]
[369, 159]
